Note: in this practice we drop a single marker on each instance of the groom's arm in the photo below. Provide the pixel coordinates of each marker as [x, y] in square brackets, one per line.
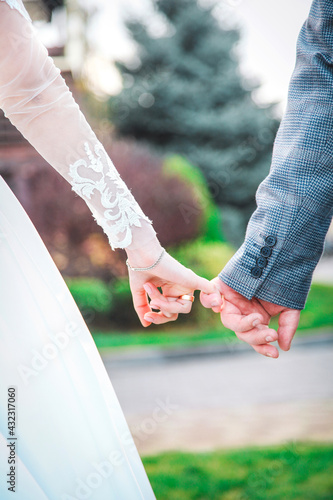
[285, 236]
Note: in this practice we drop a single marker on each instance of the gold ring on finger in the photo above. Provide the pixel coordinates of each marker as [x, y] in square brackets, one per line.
[187, 297]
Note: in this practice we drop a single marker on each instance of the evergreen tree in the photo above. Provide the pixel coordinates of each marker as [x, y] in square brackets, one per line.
[187, 97]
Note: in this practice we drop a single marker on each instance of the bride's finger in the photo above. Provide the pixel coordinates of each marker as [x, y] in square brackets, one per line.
[172, 307]
[153, 291]
[158, 309]
[159, 318]
[214, 301]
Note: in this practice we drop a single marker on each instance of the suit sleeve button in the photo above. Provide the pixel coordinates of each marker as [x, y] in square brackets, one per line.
[262, 262]
[256, 272]
[266, 251]
[270, 241]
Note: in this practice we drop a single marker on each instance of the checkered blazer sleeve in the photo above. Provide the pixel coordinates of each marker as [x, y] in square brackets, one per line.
[285, 235]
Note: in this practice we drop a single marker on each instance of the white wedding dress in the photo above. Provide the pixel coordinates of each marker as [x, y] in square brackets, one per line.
[69, 439]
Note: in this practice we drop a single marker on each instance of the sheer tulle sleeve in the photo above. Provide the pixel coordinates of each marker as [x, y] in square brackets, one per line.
[37, 101]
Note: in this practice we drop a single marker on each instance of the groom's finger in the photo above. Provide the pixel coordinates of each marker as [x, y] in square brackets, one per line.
[258, 336]
[239, 322]
[267, 350]
[288, 323]
[214, 301]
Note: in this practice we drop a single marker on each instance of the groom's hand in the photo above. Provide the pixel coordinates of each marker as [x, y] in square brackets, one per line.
[249, 319]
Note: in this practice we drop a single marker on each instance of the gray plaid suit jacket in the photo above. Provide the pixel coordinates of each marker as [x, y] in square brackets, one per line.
[285, 236]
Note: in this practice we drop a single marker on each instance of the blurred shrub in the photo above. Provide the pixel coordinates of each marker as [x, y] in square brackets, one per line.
[123, 315]
[211, 219]
[74, 240]
[163, 194]
[104, 305]
[92, 296]
[204, 258]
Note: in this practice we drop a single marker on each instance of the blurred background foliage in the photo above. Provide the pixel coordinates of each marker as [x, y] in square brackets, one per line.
[186, 96]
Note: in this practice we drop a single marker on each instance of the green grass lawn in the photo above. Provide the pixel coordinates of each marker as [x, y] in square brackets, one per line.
[297, 471]
[170, 338]
[317, 315]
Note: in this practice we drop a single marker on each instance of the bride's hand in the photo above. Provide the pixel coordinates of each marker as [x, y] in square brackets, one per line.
[173, 278]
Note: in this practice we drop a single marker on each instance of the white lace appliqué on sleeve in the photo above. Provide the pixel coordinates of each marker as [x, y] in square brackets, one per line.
[92, 176]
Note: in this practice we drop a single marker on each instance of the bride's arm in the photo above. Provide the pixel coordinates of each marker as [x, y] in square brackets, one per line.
[36, 99]
[38, 102]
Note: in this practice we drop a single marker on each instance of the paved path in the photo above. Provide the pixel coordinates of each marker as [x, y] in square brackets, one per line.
[225, 401]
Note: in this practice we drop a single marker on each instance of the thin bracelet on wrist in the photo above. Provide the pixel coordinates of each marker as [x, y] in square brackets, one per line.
[145, 268]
